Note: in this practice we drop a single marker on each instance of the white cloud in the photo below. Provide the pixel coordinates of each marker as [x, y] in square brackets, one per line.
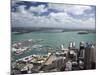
[78, 10]
[39, 9]
[19, 19]
[61, 16]
[74, 9]
[21, 9]
[26, 18]
[60, 7]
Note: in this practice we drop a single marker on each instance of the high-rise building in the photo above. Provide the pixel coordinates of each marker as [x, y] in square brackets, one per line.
[90, 57]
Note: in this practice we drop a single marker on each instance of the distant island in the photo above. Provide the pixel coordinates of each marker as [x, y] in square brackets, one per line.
[86, 32]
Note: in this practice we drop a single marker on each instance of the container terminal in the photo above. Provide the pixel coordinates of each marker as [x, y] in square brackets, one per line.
[65, 59]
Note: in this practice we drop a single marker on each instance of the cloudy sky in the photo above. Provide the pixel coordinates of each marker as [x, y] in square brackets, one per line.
[40, 14]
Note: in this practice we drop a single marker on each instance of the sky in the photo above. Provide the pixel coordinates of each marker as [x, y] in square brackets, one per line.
[53, 15]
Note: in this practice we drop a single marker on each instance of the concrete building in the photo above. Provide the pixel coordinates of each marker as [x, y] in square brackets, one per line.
[90, 57]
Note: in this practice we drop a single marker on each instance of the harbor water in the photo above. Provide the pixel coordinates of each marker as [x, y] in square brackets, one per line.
[53, 40]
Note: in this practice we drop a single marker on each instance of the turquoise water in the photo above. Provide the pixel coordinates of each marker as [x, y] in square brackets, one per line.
[53, 40]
